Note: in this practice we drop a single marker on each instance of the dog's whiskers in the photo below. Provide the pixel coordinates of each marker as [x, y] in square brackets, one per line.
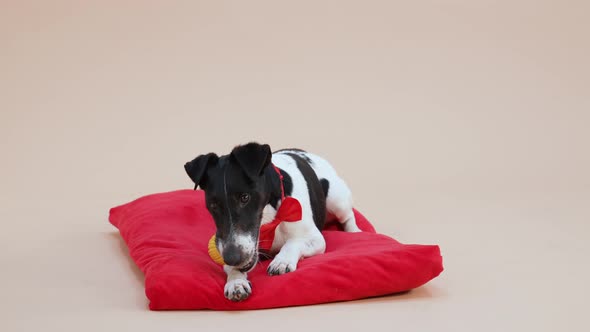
[264, 255]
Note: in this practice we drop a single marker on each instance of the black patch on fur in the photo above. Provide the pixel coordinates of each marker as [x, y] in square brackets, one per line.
[314, 187]
[197, 168]
[253, 158]
[325, 186]
[290, 149]
[298, 152]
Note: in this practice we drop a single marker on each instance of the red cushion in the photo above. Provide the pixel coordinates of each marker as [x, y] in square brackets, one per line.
[167, 236]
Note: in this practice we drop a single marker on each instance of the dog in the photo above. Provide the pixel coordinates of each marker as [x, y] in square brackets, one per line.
[244, 190]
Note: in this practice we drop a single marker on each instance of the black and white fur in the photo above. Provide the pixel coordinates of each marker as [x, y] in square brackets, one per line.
[243, 192]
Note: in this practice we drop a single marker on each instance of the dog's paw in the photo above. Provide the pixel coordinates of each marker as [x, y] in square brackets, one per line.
[279, 266]
[237, 290]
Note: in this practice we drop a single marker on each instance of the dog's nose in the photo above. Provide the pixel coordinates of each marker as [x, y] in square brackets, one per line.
[232, 255]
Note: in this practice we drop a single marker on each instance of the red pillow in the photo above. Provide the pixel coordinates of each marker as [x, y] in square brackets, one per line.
[167, 235]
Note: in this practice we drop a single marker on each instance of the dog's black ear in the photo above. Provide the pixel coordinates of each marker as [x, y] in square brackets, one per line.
[253, 158]
[197, 168]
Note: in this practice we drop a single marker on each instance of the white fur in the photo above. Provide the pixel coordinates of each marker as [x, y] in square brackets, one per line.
[301, 229]
[246, 242]
[339, 201]
[296, 240]
[237, 286]
[268, 214]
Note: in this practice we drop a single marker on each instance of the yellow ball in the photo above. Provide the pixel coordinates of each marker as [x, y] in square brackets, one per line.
[214, 253]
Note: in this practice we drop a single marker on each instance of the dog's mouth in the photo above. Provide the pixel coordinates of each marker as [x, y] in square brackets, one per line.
[253, 260]
[249, 266]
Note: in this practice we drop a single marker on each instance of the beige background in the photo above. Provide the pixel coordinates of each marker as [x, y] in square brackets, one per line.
[462, 123]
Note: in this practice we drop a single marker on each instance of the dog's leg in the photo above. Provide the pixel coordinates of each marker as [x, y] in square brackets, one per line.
[348, 221]
[293, 250]
[237, 287]
[339, 203]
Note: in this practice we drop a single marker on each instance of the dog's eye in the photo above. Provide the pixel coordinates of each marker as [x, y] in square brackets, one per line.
[244, 198]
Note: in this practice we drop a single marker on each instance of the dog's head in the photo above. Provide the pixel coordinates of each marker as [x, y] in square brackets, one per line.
[235, 193]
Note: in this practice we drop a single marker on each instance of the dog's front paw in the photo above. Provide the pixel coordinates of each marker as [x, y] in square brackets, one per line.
[280, 266]
[237, 290]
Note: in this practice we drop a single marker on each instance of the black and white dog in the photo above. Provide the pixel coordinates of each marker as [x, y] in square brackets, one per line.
[243, 192]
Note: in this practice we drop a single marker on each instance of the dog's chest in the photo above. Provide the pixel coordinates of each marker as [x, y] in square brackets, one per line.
[268, 214]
